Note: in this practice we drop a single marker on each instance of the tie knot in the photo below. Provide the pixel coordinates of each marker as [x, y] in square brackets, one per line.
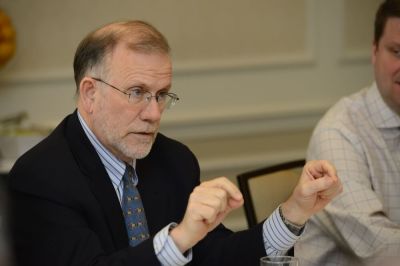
[128, 175]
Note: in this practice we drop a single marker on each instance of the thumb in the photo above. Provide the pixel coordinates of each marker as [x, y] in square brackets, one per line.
[317, 185]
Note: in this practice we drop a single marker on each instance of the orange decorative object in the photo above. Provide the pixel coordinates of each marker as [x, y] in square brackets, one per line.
[7, 38]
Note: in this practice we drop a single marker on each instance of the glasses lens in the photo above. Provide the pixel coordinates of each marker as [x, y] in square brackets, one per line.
[164, 100]
[137, 95]
[171, 100]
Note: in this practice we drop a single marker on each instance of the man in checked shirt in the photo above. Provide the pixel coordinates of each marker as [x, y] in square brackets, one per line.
[361, 136]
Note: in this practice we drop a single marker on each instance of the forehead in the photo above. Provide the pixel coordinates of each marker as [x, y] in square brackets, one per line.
[392, 28]
[126, 63]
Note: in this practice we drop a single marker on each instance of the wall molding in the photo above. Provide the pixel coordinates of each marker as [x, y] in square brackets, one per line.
[350, 57]
[266, 62]
[198, 67]
[305, 58]
[243, 121]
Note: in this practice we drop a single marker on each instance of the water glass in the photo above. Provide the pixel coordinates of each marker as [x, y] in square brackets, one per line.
[279, 261]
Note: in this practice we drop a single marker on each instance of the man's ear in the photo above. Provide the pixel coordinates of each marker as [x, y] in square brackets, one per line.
[87, 93]
[373, 52]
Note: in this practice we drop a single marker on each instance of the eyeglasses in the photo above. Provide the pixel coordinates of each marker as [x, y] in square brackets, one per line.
[137, 95]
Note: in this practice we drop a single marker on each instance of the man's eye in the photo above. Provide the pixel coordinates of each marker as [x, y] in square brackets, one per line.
[395, 52]
[137, 93]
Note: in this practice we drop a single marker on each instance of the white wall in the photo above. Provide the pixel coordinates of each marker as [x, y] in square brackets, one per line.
[254, 76]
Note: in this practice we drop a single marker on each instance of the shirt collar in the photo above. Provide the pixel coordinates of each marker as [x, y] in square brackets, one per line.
[114, 166]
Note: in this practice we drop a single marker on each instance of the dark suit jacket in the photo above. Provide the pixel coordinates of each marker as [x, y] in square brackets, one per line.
[64, 209]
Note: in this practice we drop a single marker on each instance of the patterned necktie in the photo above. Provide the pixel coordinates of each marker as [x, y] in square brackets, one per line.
[132, 207]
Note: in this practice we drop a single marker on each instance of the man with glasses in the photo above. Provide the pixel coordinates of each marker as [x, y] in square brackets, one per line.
[105, 188]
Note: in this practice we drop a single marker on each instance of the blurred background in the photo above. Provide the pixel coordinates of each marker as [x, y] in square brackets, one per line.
[253, 76]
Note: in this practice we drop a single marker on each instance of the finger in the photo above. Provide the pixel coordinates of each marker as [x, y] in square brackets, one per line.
[213, 197]
[217, 198]
[204, 213]
[331, 192]
[318, 169]
[317, 185]
[234, 204]
[228, 186]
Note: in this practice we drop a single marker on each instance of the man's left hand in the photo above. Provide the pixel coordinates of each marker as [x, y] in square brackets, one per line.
[317, 186]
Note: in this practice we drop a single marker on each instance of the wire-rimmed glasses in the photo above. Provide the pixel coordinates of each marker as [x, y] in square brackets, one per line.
[138, 95]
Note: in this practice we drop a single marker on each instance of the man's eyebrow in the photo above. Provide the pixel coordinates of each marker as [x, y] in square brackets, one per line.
[146, 87]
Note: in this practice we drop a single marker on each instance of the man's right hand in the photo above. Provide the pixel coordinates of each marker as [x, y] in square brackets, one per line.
[209, 203]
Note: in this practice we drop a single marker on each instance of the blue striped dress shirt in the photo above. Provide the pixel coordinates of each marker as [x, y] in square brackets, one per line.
[277, 237]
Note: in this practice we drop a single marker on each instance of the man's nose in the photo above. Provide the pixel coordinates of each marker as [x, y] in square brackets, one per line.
[152, 111]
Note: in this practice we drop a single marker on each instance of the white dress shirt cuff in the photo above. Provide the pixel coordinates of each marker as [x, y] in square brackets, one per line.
[166, 250]
[278, 239]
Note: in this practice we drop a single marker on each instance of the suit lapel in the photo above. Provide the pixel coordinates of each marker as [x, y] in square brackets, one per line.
[164, 183]
[153, 190]
[153, 187]
[98, 179]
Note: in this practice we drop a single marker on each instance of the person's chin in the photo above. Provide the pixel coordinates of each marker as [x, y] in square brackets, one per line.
[142, 154]
[142, 149]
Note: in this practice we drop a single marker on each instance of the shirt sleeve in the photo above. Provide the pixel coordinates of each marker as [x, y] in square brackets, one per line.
[278, 239]
[166, 251]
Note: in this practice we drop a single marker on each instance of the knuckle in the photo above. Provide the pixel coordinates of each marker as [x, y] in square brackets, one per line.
[221, 193]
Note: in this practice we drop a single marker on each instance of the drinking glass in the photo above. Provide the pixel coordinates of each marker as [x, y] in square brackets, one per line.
[279, 261]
